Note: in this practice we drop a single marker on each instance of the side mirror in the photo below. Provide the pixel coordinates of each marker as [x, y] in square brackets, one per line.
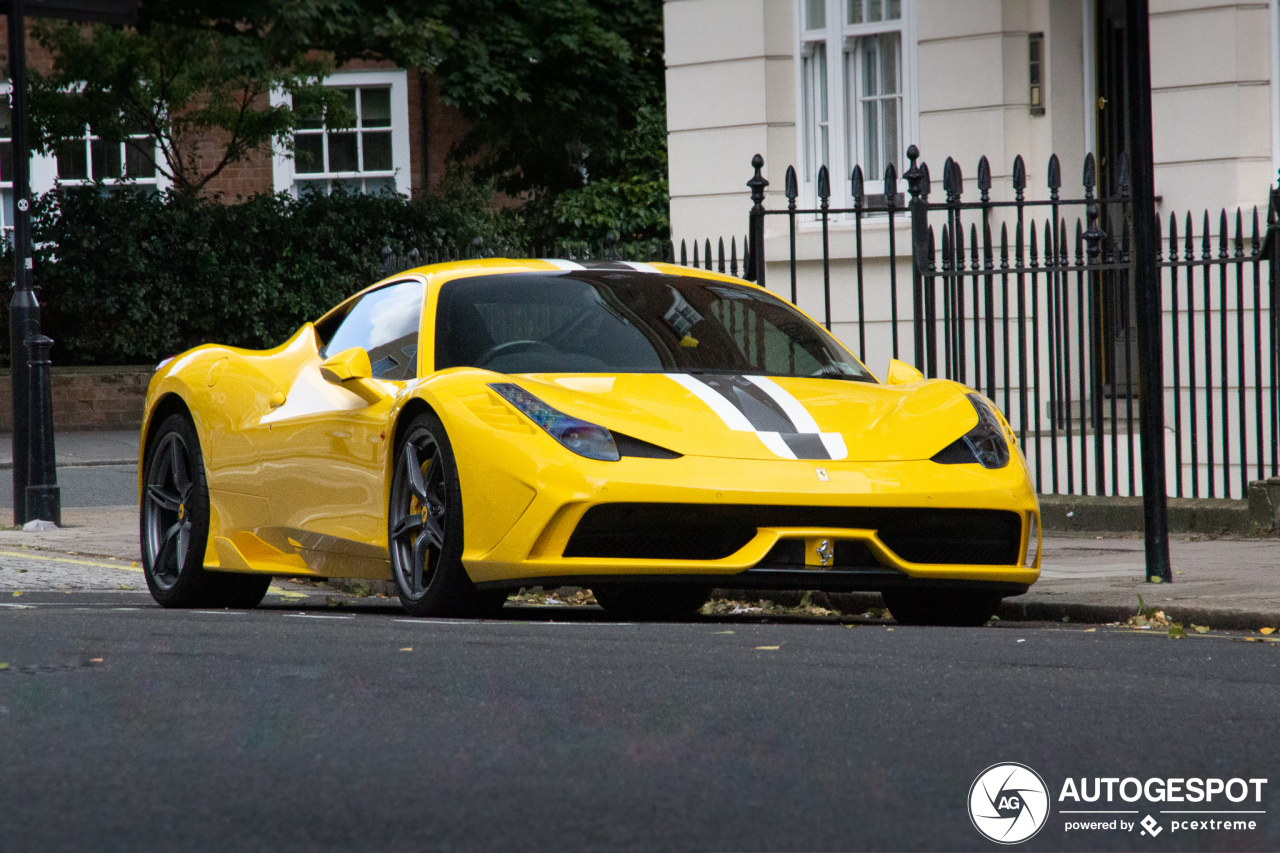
[351, 370]
[901, 373]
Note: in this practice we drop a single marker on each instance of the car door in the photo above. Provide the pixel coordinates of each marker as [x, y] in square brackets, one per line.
[324, 450]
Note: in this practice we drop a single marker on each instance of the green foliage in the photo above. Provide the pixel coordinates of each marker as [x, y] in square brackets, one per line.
[128, 277]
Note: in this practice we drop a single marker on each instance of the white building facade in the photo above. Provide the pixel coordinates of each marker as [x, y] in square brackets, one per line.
[807, 83]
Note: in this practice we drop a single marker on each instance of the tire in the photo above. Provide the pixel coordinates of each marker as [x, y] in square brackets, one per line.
[424, 528]
[174, 527]
[652, 601]
[970, 610]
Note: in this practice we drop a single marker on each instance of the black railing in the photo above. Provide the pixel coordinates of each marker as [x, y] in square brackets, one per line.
[1030, 301]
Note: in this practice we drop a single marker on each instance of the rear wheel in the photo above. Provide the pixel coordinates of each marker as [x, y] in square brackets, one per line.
[174, 525]
[656, 601]
[424, 528]
[963, 609]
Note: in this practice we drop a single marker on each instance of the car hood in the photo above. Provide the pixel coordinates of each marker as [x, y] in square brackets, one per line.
[756, 417]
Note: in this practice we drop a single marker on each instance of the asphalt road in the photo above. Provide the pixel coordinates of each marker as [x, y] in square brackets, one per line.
[126, 727]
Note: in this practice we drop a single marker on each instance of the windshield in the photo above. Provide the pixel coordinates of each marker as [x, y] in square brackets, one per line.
[624, 321]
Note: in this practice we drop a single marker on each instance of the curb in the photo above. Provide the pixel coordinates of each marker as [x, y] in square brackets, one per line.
[1016, 610]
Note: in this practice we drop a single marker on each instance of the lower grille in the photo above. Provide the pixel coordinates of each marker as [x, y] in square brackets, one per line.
[656, 531]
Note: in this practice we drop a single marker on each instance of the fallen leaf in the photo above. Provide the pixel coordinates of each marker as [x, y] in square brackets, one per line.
[407, 649]
[1090, 630]
[4, 665]
[1066, 618]
[1176, 632]
[721, 632]
[1021, 641]
[768, 648]
[17, 592]
[125, 586]
[95, 660]
[888, 629]
[1266, 630]
[1200, 629]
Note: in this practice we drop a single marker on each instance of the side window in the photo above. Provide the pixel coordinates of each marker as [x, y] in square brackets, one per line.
[385, 322]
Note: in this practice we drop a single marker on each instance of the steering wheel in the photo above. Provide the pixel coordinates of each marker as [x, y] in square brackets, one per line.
[508, 348]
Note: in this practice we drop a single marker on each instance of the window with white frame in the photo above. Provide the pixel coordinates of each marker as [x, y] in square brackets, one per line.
[853, 64]
[6, 171]
[371, 156]
[91, 159]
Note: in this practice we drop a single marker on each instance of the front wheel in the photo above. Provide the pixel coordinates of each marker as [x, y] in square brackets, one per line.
[960, 609]
[424, 528]
[174, 522]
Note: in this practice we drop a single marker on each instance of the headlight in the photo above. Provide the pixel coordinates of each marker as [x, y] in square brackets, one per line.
[583, 438]
[985, 444]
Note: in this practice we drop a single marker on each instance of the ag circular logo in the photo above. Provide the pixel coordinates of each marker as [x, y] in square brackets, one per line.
[1008, 803]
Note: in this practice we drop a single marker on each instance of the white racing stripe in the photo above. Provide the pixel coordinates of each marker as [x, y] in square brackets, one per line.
[732, 418]
[834, 443]
[564, 265]
[641, 267]
[793, 408]
[774, 442]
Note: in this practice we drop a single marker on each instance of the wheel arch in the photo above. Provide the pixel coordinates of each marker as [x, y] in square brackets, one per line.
[170, 403]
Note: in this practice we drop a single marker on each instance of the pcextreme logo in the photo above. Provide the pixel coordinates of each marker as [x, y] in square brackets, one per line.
[1008, 803]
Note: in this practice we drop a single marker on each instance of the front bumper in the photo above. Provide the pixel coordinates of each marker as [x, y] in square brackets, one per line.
[532, 550]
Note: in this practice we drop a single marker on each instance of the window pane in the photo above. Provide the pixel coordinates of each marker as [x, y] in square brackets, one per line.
[894, 11]
[874, 10]
[308, 152]
[7, 197]
[385, 323]
[855, 11]
[138, 158]
[342, 152]
[823, 136]
[106, 159]
[815, 14]
[891, 134]
[889, 63]
[806, 77]
[380, 186]
[871, 141]
[375, 107]
[870, 68]
[6, 162]
[377, 152]
[349, 95]
[312, 186]
[73, 161]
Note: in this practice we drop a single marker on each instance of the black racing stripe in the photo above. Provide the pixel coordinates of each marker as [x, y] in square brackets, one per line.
[806, 445]
[618, 266]
[756, 406]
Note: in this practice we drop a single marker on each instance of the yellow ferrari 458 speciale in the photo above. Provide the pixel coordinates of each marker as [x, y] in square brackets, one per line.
[645, 430]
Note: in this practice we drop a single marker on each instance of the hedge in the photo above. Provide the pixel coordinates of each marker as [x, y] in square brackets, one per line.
[127, 277]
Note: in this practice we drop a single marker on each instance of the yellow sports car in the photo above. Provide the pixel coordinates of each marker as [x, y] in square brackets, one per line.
[647, 431]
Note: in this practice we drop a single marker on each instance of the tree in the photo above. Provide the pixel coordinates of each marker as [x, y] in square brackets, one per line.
[196, 72]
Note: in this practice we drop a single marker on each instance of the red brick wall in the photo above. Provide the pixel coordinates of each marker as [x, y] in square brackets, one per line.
[89, 398]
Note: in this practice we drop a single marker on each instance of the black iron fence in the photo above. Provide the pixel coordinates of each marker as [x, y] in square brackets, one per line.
[1030, 301]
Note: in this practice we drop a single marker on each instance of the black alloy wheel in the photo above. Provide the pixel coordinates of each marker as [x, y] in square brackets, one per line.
[424, 528]
[957, 609]
[174, 522]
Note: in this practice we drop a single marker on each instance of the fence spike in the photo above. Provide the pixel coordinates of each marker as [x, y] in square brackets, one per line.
[684, 253]
[957, 237]
[855, 184]
[1035, 261]
[733, 256]
[1123, 172]
[1239, 234]
[1079, 242]
[706, 255]
[1205, 246]
[1004, 245]
[1019, 177]
[947, 256]
[1055, 172]
[952, 180]
[791, 188]
[973, 246]
[824, 184]
[890, 185]
[696, 263]
[720, 258]
[1159, 240]
[933, 260]
[1189, 244]
[984, 177]
[1253, 244]
[1018, 245]
[1090, 177]
[925, 185]
[1223, 236]
[1173, 236]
